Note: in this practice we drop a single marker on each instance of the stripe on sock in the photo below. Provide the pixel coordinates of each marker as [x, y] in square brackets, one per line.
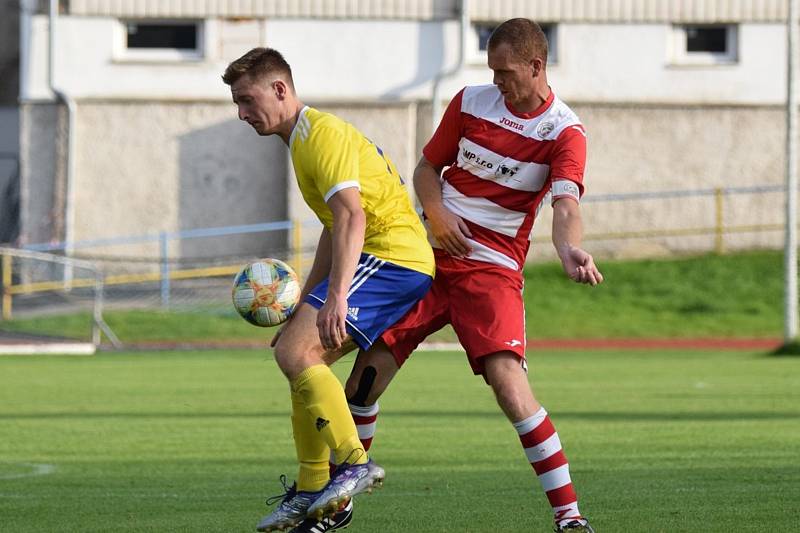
[554, 461]
[563, 497]
[537, 451]
[365, 418]
[543, 450]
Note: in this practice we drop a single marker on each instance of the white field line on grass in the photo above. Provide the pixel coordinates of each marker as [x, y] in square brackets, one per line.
[61, 348]
[45, 348]
[36, 469]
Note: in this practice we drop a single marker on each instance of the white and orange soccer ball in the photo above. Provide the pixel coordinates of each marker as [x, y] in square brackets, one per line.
[265, 293]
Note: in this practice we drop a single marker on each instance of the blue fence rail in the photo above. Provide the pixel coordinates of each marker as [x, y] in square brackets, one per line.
[165, 237]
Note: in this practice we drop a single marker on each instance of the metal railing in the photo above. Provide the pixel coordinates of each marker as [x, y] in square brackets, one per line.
[166, 273]
[718, 230]
[97, 283]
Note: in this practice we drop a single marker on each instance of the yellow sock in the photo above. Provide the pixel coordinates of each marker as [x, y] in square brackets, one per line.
[312, 451]
[323, 397]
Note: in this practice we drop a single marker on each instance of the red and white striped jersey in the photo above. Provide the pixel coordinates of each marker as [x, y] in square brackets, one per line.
[502, 167]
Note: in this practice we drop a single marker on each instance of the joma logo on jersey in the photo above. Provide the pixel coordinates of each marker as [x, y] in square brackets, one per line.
[472, 157]
[516, 125]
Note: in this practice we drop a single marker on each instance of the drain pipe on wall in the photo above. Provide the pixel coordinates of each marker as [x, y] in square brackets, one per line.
[436, 97]
[69, 180]
[27, 11]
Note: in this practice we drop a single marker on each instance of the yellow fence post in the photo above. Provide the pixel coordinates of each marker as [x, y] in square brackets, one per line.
[719, 228]
[297, 247]
[6, 262]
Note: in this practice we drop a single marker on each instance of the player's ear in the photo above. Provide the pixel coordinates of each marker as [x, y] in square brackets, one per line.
[537, 65]
[280, 88]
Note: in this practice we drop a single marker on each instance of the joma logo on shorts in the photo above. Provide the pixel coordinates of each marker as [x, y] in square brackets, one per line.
[515, 125]
[353, 312]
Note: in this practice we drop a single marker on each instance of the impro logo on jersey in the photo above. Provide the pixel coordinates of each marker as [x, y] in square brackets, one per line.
[475, 159]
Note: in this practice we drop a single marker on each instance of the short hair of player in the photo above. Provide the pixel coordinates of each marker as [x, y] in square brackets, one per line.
[524, 36]
[258, 63]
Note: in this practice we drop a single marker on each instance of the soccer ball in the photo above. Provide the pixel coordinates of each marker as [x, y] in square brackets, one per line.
[266, 292]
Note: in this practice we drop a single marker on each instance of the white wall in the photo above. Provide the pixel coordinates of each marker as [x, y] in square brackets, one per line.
[340, 60]
[632, 63]
[156, 140]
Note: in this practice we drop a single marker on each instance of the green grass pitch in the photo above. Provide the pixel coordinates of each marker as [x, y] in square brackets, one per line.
[194, 441]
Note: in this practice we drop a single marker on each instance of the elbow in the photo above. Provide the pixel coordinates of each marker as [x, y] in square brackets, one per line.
[355, 221]
[360, 221]
[565, 208]
[424, 169]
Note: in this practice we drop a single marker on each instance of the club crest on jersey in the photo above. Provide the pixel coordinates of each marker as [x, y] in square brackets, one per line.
[510, 123]
[545, 128]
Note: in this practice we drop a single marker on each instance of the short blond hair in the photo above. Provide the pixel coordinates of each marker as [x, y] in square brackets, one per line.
[524, 36]
[258, 63]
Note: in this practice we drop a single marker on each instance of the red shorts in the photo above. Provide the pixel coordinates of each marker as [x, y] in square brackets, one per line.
[482, 301]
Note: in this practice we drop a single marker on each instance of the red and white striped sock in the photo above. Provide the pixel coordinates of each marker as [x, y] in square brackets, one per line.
[366, 422]
[543, 449]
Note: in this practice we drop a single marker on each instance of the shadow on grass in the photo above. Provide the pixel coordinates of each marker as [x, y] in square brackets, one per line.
[787, 349]
[609, 416]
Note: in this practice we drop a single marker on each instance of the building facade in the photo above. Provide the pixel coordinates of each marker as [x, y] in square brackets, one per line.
[125, 127]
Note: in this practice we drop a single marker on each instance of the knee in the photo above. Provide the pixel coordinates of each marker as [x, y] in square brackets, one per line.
[511, 388]
[293, 361]
[283, 357]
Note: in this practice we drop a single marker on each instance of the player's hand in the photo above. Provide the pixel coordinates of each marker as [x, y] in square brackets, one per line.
[331, 322]
[451, 232]
[579, 266]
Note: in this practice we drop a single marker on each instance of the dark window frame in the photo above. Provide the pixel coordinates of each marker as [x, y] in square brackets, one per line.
[482, 29]
[713, 48]
[166, 35]
[174, 47]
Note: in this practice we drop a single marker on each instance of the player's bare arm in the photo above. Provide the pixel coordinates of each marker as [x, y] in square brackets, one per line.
[319, 271]
[347, 240]
[567, 234]
[450, 230]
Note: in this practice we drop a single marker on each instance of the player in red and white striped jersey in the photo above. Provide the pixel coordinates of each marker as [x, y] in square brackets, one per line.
[506, 149]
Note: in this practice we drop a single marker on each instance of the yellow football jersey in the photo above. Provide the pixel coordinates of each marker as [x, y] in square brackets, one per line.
[329, 155]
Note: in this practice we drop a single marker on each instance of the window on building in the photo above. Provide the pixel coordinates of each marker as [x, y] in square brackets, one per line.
[161, 40]
[171, 36]
[705, 44]
[483, 30]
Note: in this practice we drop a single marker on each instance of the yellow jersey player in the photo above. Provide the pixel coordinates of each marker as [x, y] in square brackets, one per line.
[372, 264]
